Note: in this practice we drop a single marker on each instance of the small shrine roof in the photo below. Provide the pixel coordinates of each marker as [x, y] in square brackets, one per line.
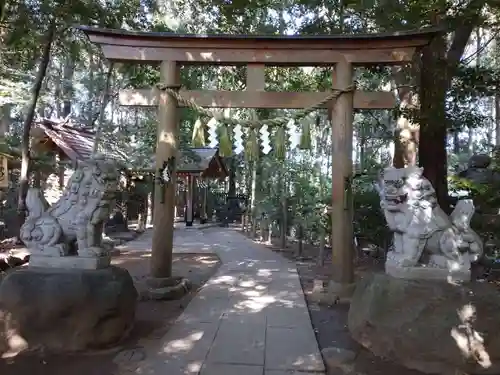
[76, 142]
[199, 160]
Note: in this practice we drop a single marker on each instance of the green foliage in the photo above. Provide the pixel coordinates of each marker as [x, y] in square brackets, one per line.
[486, 221]
[369, 220]
[485, 195]
[302, 178]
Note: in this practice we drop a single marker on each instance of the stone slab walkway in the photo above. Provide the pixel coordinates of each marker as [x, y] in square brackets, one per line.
[251, 318]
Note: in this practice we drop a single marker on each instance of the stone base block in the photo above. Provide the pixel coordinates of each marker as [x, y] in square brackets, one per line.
[65, 310]
[427, 273]
[70, 262]
[339, 360]
[431, 326]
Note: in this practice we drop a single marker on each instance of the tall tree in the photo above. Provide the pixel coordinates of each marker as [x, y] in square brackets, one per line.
[30, 115]
[438, 66]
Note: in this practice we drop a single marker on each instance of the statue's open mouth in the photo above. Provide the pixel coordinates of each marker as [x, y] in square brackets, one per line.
[396, 199]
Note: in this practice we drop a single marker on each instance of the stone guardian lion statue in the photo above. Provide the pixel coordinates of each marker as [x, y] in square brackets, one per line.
[79, 215]
[427, 242]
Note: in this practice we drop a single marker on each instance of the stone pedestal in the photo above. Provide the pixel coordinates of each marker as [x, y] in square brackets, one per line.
[65, 310]
[70, 262]
[444, 270]
[432, 326]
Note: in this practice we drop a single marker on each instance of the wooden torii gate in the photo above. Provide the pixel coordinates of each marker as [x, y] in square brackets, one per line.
[341, 52]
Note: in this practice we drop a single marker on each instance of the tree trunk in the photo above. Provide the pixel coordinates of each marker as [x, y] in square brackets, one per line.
[59, 99]
[248, 192]
[91, 89]
[150, 206]
[5, 121]
[456, 142]
[398, 160]
[104, 103]
[58, 93]
[497, 119]
[496, 50]
[253, 200]
[232, 177]
[436, 71]
[25, 152]
[300, 240]
[470, 142]
[471, 149]
[323, 150]
[405, 139]
[142, 216]
[433, 130]
[67, 84]
[269, 232]
[3, 29]
[284, 207]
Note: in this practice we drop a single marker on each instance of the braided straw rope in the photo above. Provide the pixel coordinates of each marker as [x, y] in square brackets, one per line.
[276, 121]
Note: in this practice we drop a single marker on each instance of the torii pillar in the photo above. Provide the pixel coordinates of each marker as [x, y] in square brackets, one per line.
[167, 146]
[342, 286]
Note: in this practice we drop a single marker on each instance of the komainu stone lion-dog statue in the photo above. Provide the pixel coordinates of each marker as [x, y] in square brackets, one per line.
[79, 215]
[427, 242]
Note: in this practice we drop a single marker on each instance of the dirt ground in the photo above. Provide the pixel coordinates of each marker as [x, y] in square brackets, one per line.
[330, 322]
[153, 319]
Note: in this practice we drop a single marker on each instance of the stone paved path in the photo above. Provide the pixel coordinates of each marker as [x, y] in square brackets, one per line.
[249, 319]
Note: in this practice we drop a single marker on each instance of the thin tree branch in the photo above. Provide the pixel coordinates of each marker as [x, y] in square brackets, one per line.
[469, 58]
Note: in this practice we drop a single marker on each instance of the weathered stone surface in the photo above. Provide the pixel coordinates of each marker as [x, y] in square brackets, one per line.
[67, 310]
[479, 170]
[338, 358]
[479, 161]
[435, 327]
[70, 262]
